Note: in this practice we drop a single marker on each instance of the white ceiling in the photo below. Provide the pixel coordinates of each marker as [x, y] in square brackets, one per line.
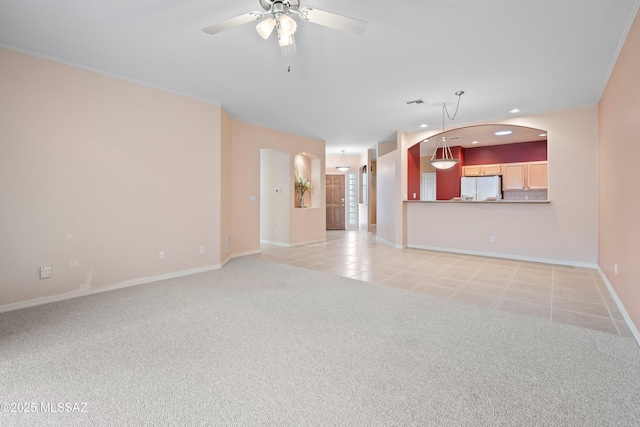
[347, 89]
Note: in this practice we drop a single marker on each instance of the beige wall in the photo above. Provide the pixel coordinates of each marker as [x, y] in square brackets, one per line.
[275, 206]
[307, 225]
[619, 204]
[224, 163]
[565, 231]
[388, 199]
[97, 175]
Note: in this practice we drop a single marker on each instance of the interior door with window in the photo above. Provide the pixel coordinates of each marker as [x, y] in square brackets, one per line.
[335, 202]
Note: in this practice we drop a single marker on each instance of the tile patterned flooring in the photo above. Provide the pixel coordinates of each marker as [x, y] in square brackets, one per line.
[573, 295]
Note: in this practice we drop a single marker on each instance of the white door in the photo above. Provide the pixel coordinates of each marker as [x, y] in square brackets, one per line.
[428, 187]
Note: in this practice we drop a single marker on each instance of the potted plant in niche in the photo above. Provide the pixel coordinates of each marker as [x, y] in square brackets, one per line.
[302, 186]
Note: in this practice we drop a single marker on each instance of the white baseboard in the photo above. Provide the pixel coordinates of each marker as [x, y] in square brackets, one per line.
[291, 245]
[506, 256]
[625, 314]
[270, 242]
[246, 253]
[86, 290]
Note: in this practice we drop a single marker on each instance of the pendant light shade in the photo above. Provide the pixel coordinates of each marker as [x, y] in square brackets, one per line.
[342, 164]
[444, 164]
[447, 161]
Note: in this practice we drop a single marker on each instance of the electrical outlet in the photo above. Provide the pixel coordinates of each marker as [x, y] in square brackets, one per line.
[493, 239]
[162, 255]
[45, 272]
[201, 250]
[615, 269]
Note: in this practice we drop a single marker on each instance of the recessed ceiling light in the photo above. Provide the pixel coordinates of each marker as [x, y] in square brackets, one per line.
[515, 110]
[543, 134]
[474, 142]
[503, 133]
[423, 125]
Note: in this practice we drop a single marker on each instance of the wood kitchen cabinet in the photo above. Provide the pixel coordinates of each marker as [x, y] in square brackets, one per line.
[481, 170]
[525, 176]
[538, 175]
[514, 176]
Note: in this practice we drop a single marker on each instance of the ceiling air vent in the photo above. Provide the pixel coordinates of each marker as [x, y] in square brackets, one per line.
[416, 102]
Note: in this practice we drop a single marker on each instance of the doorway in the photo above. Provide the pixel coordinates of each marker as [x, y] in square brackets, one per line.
[335, 193]
[428, 187]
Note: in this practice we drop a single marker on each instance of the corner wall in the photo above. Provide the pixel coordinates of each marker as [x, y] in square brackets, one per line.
[97, 175]
[307, 225]
[619, 151]
[223, 164]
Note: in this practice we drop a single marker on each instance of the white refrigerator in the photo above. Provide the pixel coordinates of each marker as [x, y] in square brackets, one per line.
[481, 188]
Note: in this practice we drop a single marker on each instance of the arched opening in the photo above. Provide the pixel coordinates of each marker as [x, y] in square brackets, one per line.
[515, 154]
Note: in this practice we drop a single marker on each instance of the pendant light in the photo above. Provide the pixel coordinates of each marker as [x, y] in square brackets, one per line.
[447, 161]
[342, 164]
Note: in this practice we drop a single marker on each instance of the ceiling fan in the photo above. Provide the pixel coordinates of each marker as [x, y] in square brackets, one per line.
[279, 11]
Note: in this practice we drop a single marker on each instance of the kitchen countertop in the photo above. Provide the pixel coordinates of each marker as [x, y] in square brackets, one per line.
[499, 202]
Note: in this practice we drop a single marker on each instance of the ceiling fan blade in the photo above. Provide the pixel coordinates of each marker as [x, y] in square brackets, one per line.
[233, 22]
[333, 20]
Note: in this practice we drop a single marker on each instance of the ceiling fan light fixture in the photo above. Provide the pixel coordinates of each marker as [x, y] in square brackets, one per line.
[285, 40]
[279, 14]
[265, 28]
[287, 25]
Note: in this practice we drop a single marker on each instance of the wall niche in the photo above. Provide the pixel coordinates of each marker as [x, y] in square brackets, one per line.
[306, 169]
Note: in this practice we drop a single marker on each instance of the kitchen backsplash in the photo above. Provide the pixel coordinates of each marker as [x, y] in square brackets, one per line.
[526, 195]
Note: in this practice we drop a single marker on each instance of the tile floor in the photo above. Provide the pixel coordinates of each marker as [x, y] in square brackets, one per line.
[573, 295]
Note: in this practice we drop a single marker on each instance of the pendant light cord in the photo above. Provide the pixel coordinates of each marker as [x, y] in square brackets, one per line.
[459, 93]
[446, 150]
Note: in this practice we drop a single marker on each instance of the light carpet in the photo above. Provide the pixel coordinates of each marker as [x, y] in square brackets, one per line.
[260, 343]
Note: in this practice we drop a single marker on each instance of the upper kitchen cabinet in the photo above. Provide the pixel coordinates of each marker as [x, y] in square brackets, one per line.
[513, 176]
[482, 170]
[525, 176]
[538, 175]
